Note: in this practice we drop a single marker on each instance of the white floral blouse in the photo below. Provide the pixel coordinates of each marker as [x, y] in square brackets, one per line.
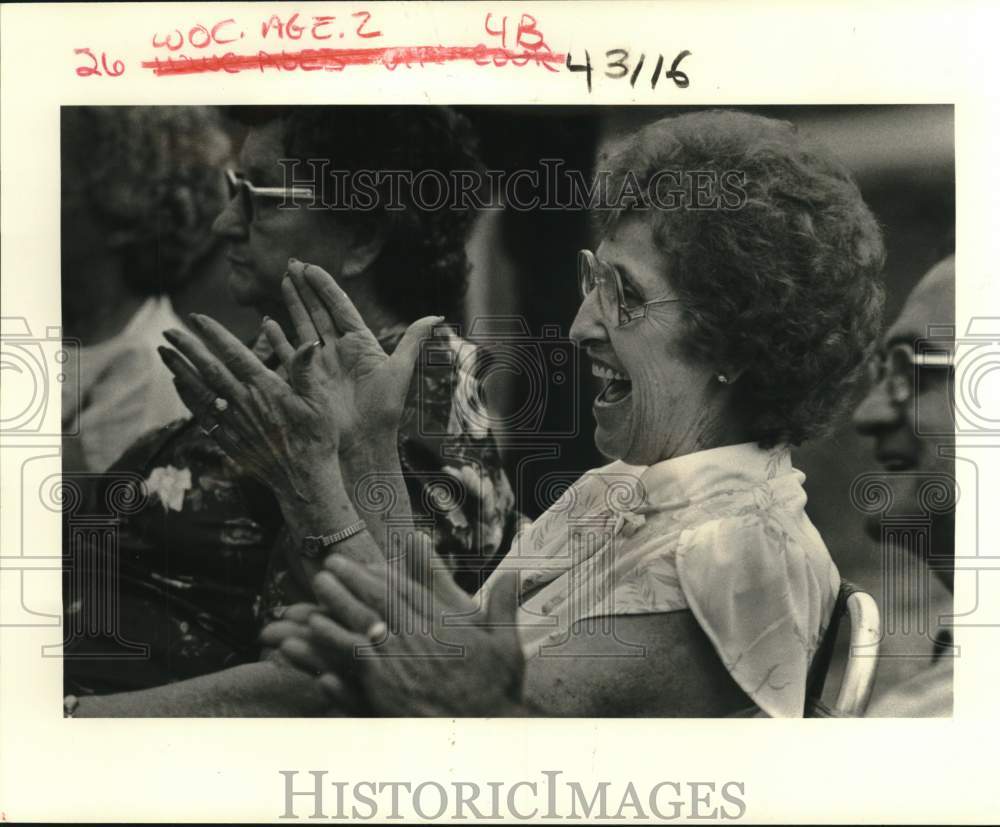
[721, 532]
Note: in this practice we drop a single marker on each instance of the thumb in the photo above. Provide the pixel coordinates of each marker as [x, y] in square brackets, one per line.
[302, 373]
[501, 613]
[404, 357]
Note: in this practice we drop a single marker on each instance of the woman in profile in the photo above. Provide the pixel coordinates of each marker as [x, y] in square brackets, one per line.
[683, 578]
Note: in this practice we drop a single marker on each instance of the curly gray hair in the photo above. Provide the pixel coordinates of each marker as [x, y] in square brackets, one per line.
[151, 177]
[787, 289]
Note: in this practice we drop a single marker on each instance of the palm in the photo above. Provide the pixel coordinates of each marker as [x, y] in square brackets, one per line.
[352, 384]
[363, 388]
[342, 390]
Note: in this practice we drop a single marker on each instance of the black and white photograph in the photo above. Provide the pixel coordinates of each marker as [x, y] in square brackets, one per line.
[464, 412]
[500, 411]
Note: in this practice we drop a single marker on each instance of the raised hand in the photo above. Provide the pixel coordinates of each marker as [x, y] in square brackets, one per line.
[342, 390]
[363, 388]
[253, 413]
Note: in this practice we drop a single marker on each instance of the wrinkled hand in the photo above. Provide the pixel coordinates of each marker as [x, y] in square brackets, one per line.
[364, 389]
[341, 387]
[261, 421]
[403, 639]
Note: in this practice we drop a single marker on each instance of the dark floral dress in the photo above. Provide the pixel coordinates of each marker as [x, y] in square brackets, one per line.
[201, 562]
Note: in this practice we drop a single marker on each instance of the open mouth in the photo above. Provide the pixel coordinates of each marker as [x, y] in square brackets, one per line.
[617, 385]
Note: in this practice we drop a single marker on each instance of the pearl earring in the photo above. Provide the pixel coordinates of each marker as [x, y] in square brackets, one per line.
[723, 379]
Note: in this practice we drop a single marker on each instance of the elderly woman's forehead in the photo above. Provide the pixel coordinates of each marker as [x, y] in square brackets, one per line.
[631, 244]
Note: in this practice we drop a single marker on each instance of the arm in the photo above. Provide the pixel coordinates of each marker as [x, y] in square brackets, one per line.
[326, 508]
[677, 672]
[653, 664]
[678, 675]
[263, 689]
[367, 457]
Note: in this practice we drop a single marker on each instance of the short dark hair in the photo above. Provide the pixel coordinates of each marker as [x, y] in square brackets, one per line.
[422, 268]
[787, 287]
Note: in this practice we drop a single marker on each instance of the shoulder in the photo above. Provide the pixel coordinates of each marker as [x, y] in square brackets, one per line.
[762, 591]
[610, 487]
[769, 536]
[760, 567]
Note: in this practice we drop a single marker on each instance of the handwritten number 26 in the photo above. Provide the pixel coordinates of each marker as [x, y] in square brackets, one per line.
[114, 70]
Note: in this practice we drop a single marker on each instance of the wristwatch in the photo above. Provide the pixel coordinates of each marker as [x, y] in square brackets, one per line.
[320, 545]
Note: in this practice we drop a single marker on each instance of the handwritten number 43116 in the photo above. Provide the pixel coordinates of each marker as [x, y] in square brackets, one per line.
[617, 66]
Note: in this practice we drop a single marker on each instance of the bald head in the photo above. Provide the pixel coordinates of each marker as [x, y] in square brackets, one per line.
[931, 304]
[910, 433]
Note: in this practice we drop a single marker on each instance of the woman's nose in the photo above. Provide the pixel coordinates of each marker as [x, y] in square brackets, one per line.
[589, 325]
[876, 411]
[230, 223]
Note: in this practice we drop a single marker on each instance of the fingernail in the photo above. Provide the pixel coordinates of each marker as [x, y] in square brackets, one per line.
[292, 260]
[170, 335]
[376, 631]
[194, 319]
[265, 320]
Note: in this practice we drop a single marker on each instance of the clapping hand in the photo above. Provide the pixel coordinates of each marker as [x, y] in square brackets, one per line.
[400, 638]
[340, 389]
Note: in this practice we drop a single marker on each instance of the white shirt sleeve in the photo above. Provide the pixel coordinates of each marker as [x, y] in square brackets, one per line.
[762, 600]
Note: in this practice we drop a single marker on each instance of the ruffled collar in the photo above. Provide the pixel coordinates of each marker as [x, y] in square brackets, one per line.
[702, 473]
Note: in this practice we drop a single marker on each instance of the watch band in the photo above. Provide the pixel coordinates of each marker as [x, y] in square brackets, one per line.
[316, 546]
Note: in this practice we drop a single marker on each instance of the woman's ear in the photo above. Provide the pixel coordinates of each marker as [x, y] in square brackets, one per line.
[364, 245]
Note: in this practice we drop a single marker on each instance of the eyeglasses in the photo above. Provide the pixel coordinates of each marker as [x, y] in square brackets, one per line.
[897, 367]
[592, 272]
[248, 193]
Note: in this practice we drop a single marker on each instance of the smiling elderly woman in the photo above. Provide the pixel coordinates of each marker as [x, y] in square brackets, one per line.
[684, 578]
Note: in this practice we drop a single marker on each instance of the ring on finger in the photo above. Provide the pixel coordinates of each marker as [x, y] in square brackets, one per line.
[210, 431]
[220, 404]
[376, 631]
